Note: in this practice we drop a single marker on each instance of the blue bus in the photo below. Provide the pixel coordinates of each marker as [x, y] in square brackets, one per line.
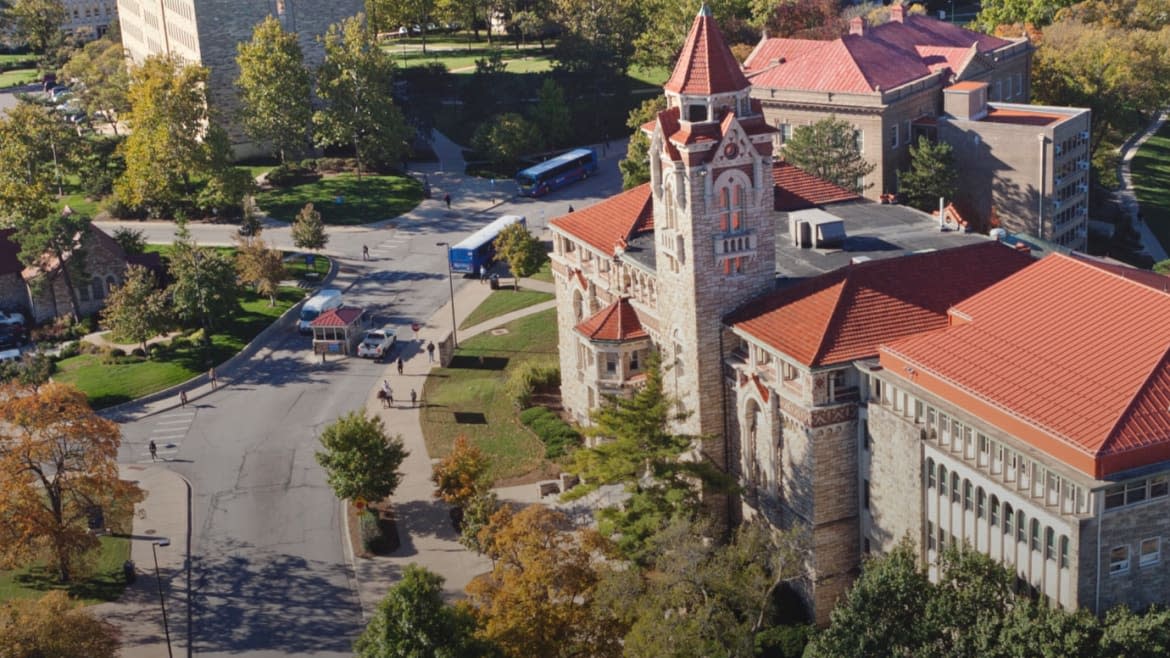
[478, 249]
[557, 172]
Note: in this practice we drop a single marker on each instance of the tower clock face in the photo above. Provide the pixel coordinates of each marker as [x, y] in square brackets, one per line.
[731, 150]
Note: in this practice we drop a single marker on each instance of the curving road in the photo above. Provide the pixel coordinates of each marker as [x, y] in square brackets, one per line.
[269, 574]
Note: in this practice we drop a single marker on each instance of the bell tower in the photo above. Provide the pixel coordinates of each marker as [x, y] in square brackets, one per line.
[714, 218]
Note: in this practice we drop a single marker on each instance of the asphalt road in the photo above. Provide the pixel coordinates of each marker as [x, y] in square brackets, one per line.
[268, 567]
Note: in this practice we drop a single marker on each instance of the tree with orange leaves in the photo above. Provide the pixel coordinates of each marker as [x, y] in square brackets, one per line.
[459, 476]
[58, 461]
[538, 599]
[54, 625]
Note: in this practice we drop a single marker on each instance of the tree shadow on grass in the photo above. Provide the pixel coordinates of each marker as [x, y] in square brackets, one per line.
[101, 586]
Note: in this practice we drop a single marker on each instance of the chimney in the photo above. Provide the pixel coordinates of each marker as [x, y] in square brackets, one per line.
[897, 13]
[857, 26]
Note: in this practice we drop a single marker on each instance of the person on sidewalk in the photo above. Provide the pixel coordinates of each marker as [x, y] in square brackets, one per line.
[183, 398]
[211, 377]
[153, 451]
[413, 398]
[365, 252]
[400, 365]
[431, 351]
[447, 200]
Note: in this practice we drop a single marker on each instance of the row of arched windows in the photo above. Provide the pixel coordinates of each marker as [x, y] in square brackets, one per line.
[96, 289]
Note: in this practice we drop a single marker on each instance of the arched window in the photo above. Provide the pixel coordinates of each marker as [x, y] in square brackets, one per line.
[942, 480]
[1021, 528]
[929, 473]
[994, 510]
[980, 503]
[1063, 552]
[1035, 535]
[732, 207]
[1049, 544]
[956, 495]
[99, 289]
[1008, 519]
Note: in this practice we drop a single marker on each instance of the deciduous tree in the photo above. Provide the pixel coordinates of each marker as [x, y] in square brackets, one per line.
[55, 242]
[552, 115]
[538, 598]
[598, 39]
[38, 149]
[100, 68]
[459, 476]
[38, 22]
[521, 250]
[932, 174]
[993, 13]
[53, 626]
[137, 309]
[261, 266]
[274, 88]
[204, 290]
[58, 460]
[412, 621]
[828, 150]
[506, 137]
[308, 231]
[355, 85]
[635, 167]
[799, 19]
[359, 459]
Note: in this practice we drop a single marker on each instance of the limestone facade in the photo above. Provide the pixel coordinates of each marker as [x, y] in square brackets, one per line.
[90, 18]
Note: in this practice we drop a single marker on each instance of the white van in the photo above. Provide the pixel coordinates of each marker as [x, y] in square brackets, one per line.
[324, 300]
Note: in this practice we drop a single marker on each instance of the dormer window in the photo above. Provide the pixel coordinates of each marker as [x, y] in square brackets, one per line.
[745, 106]
[696, 113]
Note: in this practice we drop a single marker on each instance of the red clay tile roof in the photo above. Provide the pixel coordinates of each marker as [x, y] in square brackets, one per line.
[705, 65]
[603, 225]
[845, 314]
[887, 56]
[796, 189]
[337, 317]
[617, 322]
[1066, 355]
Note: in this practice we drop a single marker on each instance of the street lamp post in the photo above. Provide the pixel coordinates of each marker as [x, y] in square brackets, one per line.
[451, 286]
[161, 599]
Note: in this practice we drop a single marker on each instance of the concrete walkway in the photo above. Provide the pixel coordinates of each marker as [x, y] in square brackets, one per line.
[1150, 242]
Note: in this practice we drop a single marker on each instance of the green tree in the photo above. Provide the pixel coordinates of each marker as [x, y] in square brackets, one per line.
[359, 459]
[165, 149]
[274, 88]
[355, 84]
[505, 138]
[204, 290]
[137, 309]
[598, 39]
[38, 22]
[131, 240]
[100, 68]
[635, 167]
[54, 626]
[308, 231]
[412, 621]
[33, 370]
[1126, 633]
[260, 266]
[53, 238]
[932, 174]
[828, 150]
[521, 250]
[637, 449]
[477, 514]
[1039, 13]
[225, 186]
[38, 149]
[552, 115]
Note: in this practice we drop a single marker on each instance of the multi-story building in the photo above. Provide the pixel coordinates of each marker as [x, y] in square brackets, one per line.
[1035, 428]
[1025, 166]
[769, 295]
[207, 32]
[90, 18]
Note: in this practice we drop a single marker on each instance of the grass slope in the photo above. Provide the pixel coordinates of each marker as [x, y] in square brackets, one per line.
[1151, 183]
[502, 302]
[372, 199]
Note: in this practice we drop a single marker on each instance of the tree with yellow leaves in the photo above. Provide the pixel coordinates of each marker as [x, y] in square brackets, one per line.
[459, 476]
[261, 266]
[53, 625]
[58, 461]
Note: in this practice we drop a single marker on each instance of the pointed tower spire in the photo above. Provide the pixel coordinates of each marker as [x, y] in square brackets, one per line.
[706, 66]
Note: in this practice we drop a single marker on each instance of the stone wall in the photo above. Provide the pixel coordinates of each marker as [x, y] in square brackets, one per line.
[1140, 586]
[893, 466]
[102, 271]
[13, 293]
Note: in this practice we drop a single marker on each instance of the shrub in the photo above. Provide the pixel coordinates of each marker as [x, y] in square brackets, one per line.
[138, 352]
[532, 413]
[556, 434]
[179, 343]
[117, 352]
[289, 173]
[157, 351]
[333, 165]
[370, 530]
[529, 378]
[70, 349]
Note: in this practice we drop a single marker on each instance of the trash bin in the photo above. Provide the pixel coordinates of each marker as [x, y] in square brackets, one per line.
[495, 282]
[128, 571]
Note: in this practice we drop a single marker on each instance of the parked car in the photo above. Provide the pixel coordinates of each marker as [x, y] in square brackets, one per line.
[12, 318]
[11, 336]
[377, 343]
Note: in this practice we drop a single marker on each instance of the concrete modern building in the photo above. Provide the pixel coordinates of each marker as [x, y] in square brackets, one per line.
[90, 18]
[207, 32]
[778, 304]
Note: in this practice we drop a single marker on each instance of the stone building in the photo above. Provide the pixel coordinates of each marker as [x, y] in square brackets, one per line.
[1035, 428]
[207, 32]
[895, 82]
[90, 18]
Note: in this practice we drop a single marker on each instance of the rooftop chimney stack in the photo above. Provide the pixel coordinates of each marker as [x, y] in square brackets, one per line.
[897, 13]
[857, 26]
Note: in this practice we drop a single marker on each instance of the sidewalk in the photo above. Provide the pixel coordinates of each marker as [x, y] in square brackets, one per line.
[163, 515]
[1128, 198]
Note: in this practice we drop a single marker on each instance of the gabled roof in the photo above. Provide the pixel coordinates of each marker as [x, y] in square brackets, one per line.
[617, 322]
[887, 56]
[94, 236]
[796, 189]
[610, 223]
[705, 66]
[337, 317]
[1068, 355]
[847, 313]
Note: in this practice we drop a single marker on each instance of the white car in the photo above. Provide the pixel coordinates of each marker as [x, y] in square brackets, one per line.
[12, 318]
[377, 343]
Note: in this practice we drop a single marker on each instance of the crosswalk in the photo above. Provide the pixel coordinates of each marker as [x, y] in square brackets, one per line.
[167, 434]
[387, 248]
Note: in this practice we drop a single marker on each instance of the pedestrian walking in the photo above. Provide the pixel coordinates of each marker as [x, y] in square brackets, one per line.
[447, 200]
[400, 365]
[431, 351]
[211, 377]
[183, 398]
[365, 252]
[413, 398]
[387, 392]
[153, 451]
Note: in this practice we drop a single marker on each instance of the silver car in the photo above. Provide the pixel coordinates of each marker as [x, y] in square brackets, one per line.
[377, 343]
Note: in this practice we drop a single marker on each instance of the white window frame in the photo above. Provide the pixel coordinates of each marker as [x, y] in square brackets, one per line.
[1119, 565]
[1153, 557]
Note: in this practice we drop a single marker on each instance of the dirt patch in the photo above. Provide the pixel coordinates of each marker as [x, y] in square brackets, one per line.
[387, 524]
[547, 471]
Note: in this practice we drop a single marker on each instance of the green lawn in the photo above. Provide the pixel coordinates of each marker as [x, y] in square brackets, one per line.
[75, 198]
[371, 199]
[1151, 183]
[105, 584]
[294, 265]
[651, 76]
[468, 398]
[504, 301]
[544, 273]
[13, 58]
[110, 384]
[18, 77]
